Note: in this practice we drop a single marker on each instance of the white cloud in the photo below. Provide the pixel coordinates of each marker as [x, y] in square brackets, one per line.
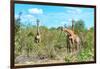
[35, 11]
[68, 22]
[28, 19]
[73, 10]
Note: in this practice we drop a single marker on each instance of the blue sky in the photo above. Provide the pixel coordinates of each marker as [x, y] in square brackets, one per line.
[54, 16]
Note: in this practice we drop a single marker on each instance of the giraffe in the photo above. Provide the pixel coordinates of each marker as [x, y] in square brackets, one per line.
[73, 39]
[38, 37]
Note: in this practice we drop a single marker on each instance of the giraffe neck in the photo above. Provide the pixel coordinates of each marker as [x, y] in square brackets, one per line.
[37, 27]
[68, 31]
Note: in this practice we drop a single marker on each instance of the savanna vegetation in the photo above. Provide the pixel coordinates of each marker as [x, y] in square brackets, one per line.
[53, 45]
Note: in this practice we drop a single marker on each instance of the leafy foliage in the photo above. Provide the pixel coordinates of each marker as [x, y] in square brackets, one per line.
[53, 45]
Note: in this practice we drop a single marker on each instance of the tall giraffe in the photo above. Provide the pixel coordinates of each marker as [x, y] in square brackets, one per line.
[72, 37]
[37, 37]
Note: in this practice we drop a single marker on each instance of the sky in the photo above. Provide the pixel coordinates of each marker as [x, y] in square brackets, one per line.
[54, 16]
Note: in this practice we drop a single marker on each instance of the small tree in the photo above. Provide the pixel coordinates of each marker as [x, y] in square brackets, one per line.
[79, 26]
[18, 23]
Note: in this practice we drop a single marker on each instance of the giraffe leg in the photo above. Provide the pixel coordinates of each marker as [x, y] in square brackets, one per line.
[71, 46]
[76, 46]
[68, 47]
[68, 44]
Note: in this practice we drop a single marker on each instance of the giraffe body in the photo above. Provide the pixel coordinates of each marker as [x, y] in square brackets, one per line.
[37, 39]
[74, 40]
